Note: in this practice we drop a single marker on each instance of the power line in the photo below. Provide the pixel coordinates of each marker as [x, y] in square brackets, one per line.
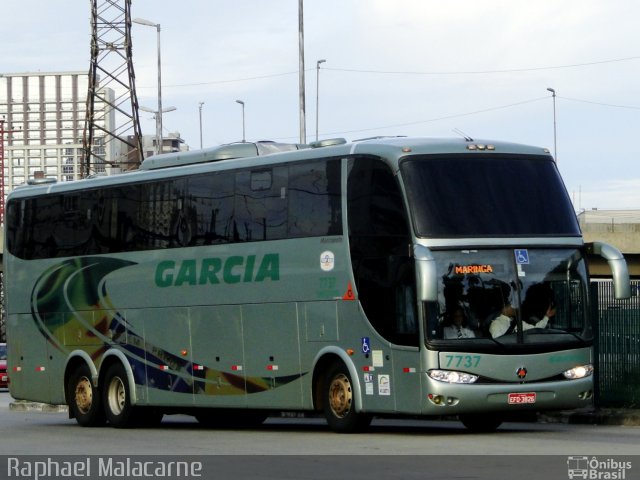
[484, 72]
[430, 120]
[235, 80]
[458, 115]
[407, 72]
[630, 107]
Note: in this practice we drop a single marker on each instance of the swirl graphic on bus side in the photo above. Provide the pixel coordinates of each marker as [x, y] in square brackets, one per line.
[72, 309]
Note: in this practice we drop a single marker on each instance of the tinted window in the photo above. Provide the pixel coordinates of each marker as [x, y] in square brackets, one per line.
[314, 199]
[212, 197]
[487, 195]
[375, 201]
[161, 216]
[488, 299]
[379, 244]
[261, 204]
[218, 207]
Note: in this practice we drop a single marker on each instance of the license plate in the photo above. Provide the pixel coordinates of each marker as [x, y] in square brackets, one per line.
[521, 398]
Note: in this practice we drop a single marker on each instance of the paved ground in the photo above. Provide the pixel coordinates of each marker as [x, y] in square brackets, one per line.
[587, 416]
[595, 416]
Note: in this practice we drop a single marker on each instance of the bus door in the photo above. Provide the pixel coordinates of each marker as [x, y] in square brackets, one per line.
[406, 339]
[384, 274]
[391, 371]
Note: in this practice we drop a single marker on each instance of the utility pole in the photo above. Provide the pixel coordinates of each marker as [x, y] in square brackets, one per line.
[200, 115]
[303, 121]
[555, 134]
[318, 63]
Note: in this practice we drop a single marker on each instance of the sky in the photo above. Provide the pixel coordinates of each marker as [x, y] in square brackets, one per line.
[428, 68]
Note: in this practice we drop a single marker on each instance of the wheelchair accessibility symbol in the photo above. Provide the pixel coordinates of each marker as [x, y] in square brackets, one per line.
[366, 345]
[522, 256]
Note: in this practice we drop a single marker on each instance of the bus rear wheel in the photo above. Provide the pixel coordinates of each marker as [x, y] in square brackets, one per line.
[338, 402]
[84, 398]
[117, 398]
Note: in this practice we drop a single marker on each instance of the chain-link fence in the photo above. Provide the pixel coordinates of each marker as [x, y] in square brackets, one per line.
[617, 347]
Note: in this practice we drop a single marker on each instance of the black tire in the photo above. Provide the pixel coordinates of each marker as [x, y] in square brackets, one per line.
[338, 402]
[481, 423]
[116, 397]
[84, 398]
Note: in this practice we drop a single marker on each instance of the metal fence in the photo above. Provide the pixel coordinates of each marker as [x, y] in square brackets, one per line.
[617, 347]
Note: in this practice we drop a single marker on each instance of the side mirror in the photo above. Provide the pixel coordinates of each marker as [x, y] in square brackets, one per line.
[620, 273]
[426, 274]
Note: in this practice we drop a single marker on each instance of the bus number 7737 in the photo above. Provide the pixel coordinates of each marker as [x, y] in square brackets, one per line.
[462, 361]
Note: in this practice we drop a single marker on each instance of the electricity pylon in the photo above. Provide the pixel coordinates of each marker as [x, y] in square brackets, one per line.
[112, 133]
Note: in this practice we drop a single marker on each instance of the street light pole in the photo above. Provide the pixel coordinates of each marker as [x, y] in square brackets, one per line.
[318, 93]
[555, 145]
[156, 115]
[200, 111]
[142, 21]
[301, 81]
[243, 135]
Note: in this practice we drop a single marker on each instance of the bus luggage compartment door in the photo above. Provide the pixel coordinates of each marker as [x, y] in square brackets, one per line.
[272, 355]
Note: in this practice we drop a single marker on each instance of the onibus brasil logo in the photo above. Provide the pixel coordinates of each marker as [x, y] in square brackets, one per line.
[597, 468]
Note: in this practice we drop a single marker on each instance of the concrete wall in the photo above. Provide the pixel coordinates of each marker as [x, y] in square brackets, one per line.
[625, 237]
[620, 228]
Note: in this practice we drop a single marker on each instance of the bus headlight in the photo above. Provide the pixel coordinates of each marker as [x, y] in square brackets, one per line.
[578, 372]
[451, 376]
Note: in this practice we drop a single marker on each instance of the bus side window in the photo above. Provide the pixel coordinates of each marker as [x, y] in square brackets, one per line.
[379, 239]
[261, 204]
[314, 199]
[211, 196]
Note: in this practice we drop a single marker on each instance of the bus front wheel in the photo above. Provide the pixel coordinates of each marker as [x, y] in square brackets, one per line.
[84, 398]
[116, 397]
[338, 402]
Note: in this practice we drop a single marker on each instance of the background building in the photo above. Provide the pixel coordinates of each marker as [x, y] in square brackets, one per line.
[44, 116]
[620, 228]
[171, 142]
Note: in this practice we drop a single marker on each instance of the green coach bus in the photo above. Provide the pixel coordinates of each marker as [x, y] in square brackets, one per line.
[387, 276]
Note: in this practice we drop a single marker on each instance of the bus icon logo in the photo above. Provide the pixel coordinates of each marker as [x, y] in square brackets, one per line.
[578, 467]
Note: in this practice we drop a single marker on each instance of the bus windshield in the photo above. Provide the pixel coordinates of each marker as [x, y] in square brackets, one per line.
[510, 297]
[487, 195]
